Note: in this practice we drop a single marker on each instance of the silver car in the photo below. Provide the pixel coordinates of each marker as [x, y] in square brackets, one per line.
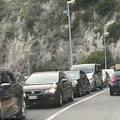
[93, 72]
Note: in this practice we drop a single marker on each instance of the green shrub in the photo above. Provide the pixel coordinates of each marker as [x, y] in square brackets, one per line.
[97, 57]
[10, 31]
[104, 6]
[75, 23]
[114, 31]
[100, 30]
[64, 19]
[86, 16]
[65, 34]
[3, 9]
[29, 22]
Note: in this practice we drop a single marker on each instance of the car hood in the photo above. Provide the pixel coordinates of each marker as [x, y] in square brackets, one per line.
[28, 87]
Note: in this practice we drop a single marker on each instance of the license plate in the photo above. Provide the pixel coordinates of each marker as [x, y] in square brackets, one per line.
[32, 97]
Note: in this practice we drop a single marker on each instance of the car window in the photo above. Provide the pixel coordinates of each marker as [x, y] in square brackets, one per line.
[116, 74]
[10, 78]
[62, 76]
[2, 79]
[72, 75]
[42, 78]
[85, 67]
[82, 74]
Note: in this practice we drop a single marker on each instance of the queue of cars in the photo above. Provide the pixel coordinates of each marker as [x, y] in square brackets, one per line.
[52, 87]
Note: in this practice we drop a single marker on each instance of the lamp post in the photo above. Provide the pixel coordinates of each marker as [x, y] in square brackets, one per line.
[28, 63]
[68, 14]
[104, 35]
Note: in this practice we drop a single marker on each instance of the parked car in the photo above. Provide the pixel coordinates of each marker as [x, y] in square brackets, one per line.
[106, 78]
[48, 87]
[79, 81]
[114, 83]
[93, 72]
[12, 97]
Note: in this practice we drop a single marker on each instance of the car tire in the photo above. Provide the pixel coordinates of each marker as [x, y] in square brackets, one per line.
[72, 96]
[22, 114]
[60, 100]
[111, 92]
[105, 85]
[101, 87]
[79, 91]
[89, 90]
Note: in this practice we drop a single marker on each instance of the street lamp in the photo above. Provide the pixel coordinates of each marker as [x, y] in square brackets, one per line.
[28, 63]
[68, 14]
[104, 35]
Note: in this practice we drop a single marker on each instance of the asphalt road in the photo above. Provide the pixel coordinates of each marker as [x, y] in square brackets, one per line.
[98, 105]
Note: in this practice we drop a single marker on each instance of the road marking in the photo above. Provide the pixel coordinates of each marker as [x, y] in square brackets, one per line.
[64, 109]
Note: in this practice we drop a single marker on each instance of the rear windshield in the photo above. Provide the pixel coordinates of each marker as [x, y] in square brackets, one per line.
[116, 74]
[42, 78]
[85, 68]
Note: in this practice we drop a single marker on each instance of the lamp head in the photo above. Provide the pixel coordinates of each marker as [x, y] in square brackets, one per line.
[106, 34]
[71, 2]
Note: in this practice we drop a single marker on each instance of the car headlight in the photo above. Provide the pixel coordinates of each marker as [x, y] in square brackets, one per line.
[74, 83]
[90, 78]
[51, 90]
[24, 95]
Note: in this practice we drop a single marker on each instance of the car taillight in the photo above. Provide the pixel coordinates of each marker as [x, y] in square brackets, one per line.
[112, 79]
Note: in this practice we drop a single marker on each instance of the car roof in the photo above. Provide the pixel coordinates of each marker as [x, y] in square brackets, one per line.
[4, 70]
[117, 70]
[72, 71]
[86, 64]
[46, 72]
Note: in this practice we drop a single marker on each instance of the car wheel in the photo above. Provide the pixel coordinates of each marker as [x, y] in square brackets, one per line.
[72, 96]
[105, 85]
[22, 114]
[89, 90]
[60, 100]
[79, 91]
[95, 87]
[101, 87]
[111, 92]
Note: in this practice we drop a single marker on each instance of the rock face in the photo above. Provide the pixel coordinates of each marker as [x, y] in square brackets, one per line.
[40, 37]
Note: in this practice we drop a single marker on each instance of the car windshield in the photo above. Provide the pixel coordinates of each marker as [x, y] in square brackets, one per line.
[85, 68]
[116, 74]
[42, 78]
[72, 75]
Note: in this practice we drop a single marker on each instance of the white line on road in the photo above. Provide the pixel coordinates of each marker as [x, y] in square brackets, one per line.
[64, 109]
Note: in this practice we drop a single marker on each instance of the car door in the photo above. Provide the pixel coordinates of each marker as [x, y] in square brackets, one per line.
[86, 81]
[83, 80]
[5, 96]
[63, 85]
[68, 86]
[16, 93]
[98, 76]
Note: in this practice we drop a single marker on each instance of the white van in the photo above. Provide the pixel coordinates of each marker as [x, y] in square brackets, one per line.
[93, 72]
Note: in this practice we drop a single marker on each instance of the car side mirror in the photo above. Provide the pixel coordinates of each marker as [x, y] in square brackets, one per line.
[5, 84]
[64, 80]
[22, 82]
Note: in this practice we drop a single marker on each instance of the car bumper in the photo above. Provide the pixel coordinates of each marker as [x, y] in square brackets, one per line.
[40, 99]
[115, 87]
